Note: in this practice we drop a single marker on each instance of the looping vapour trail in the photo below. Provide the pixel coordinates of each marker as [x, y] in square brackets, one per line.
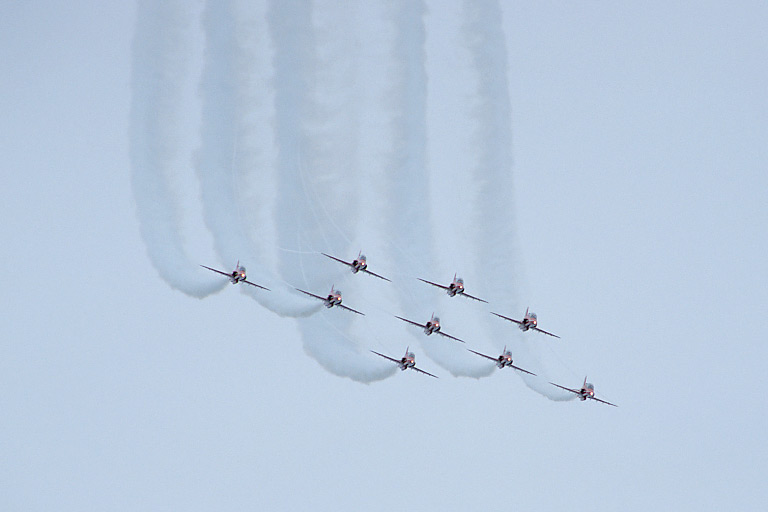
[296, 137]
[492, 140]
[227, 110]
[159, 72]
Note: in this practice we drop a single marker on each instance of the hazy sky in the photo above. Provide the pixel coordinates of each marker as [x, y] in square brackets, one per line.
[638, 141]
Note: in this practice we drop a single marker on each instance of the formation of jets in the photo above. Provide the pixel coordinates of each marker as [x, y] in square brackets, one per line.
[432, 326]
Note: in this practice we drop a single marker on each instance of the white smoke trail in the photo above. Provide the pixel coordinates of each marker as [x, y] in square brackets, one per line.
[227, 153]
[408, 212]
[406, 185]
[255, 181]
[494, 220]
[159, 71]
[219, 126]
[317, 166]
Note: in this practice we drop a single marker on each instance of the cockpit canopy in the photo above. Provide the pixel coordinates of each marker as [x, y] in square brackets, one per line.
[532, 315]
[361, 258]
[459, 281]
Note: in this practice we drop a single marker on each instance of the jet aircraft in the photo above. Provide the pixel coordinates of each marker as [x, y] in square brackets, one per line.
[432, 326]
[359, 264]
[587, 391]
[455, 288]
[528, 322]
[505, 359]
[237, 276]
[405, 362]
[332, 299]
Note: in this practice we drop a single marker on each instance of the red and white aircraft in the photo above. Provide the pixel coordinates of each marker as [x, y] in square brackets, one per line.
[405, 362]
[455, 288]
[505, 359]
[237, 276]
[587, 391]
[359, 264]
[332, 299]
[432, 326]
[528, 322]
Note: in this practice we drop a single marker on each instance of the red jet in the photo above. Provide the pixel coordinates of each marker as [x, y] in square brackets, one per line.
[332, 299]
[528, 322]
[455, 288]
[237, 276]
[587, 391]
[405, 362]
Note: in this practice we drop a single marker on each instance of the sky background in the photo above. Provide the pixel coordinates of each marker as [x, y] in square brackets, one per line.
[638, 142]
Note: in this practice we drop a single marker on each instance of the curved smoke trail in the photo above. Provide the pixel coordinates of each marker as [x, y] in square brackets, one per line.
[228, 155]
[496, 239]
[315, 136]
[160, 69]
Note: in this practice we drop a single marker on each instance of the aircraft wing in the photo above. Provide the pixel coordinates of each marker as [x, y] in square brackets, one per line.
[507, 318]
[217, 271]
[433, 284]
[472, 297]
[376, 275]
[411, 322]
[342, 306]
[567, 389]
[387, 357]
[449, 336]
[495, 360]
[311, 295]
[337, 259]
[518, 368]
[257, 285]
[422, 371]
[545, 332]
[602, 401]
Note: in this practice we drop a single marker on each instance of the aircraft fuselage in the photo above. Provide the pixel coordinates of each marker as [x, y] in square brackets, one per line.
[332, 300]
[358, 265]
[237, 276]
[431, 327]
[455, 288]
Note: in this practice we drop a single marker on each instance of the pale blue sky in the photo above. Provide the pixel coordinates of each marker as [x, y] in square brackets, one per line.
[639, 137]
